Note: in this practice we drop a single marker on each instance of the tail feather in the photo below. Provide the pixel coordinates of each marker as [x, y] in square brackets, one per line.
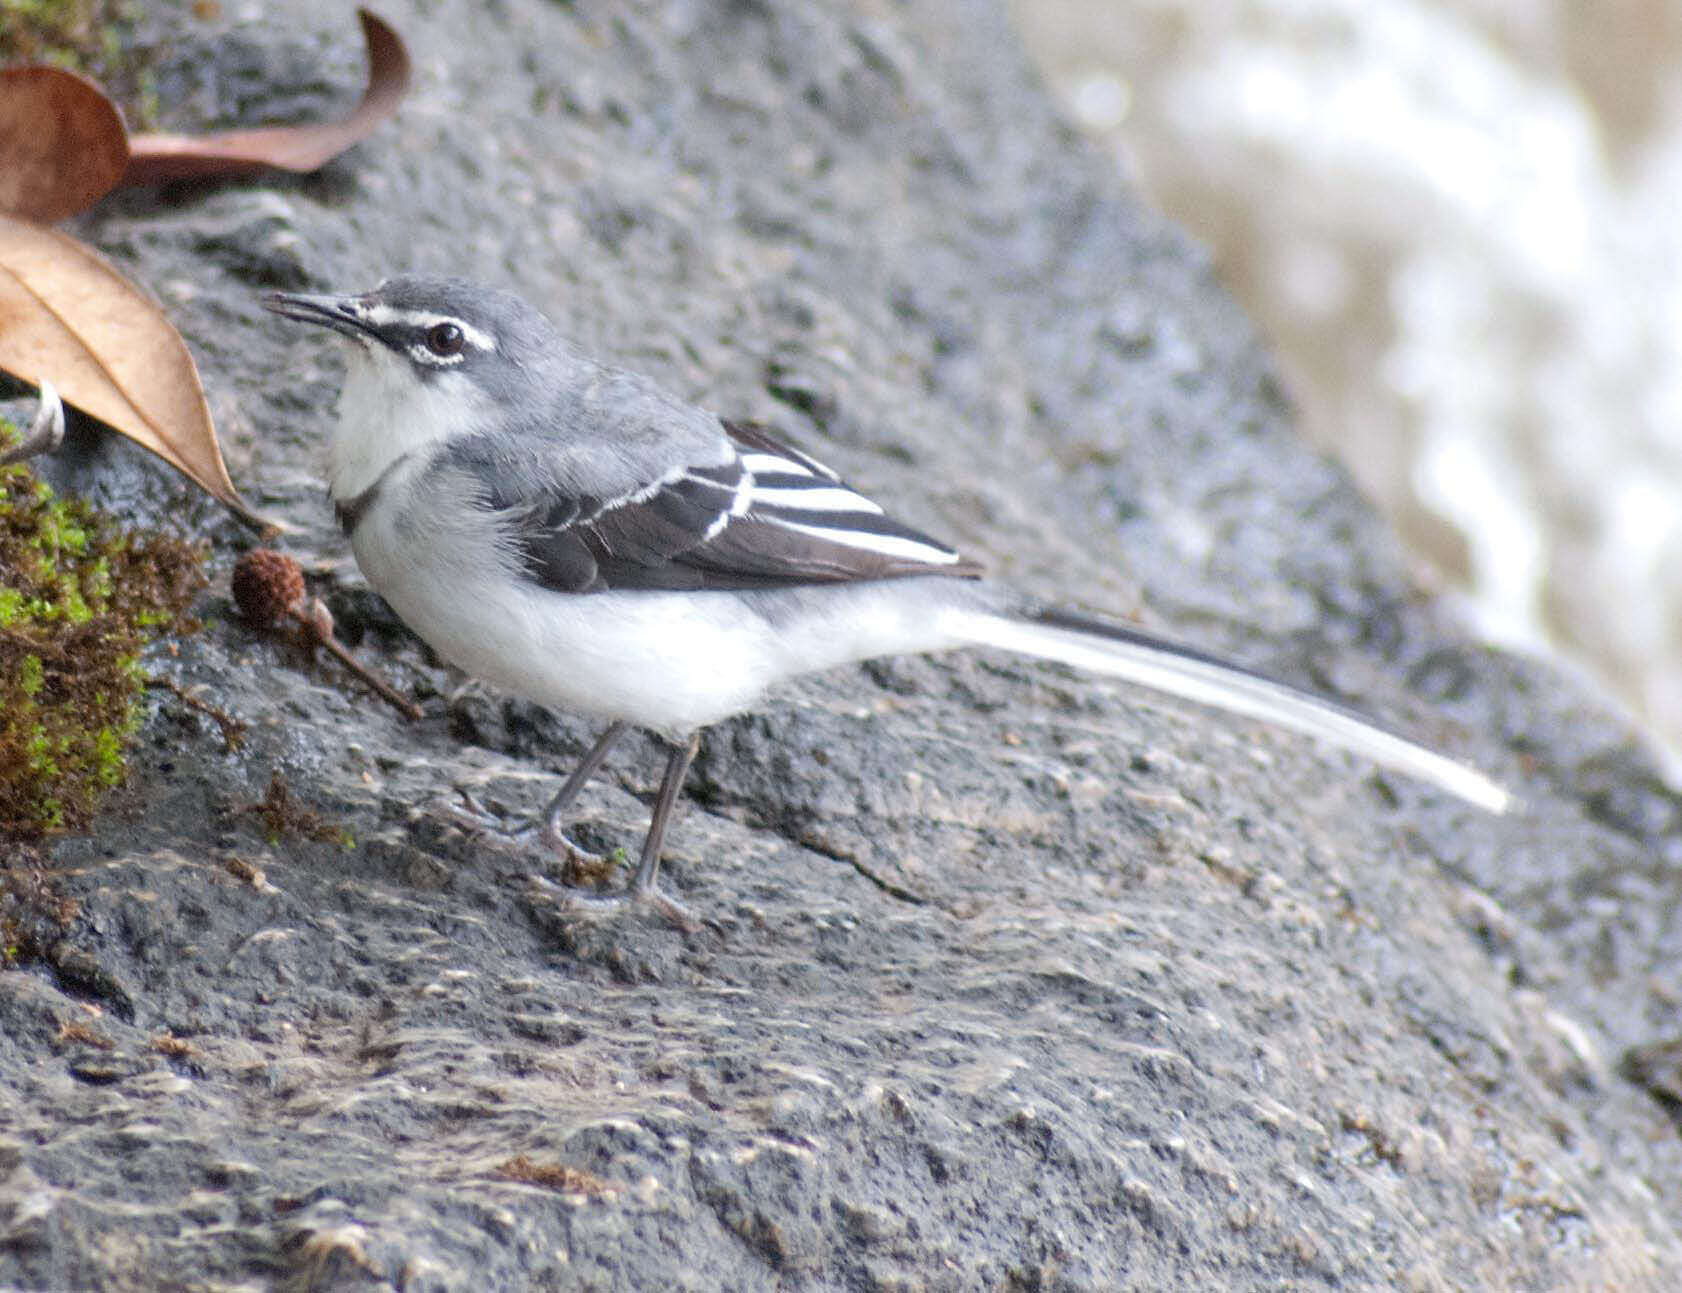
[1121, 652]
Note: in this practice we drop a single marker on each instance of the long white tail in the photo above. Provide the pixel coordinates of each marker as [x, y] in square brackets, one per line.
[1121, 652]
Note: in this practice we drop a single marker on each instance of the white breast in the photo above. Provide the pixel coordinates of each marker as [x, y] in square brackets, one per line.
[385, 413]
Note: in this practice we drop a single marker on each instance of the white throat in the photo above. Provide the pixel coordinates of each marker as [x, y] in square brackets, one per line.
[386, 412]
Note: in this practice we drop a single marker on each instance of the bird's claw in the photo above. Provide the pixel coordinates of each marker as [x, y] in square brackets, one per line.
[571, 901]
[581, 865]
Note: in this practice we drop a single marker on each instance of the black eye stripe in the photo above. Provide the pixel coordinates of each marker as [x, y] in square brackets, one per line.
[437, 340]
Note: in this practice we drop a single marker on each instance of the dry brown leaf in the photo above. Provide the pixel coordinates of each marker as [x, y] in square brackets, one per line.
[62, 141]
[68, 317]
[290, 148]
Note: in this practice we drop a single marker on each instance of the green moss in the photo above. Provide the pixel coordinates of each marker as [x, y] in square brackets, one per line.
[93, 37]
[80, 598]
[67, 33]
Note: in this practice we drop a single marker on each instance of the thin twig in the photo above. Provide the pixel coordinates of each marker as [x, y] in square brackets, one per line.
[318, 629]
[233, 730]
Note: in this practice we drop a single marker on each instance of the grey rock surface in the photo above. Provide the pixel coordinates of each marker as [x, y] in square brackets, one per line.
[1009, 979]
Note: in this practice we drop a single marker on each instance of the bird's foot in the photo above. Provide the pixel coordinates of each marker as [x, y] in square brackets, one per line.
[468, 813]
[582, 865]
[568, 900]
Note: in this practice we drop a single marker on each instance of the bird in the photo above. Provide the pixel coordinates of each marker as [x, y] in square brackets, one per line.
[574, 534]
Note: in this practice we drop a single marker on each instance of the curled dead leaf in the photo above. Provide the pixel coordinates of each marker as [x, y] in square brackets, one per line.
[62, 143]
[153, 158]
[67, 316]
[46, 429]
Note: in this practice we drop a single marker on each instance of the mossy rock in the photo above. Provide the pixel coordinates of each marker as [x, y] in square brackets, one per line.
[80, 598]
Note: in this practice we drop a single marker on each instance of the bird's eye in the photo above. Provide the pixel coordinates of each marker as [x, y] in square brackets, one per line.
[445, 339]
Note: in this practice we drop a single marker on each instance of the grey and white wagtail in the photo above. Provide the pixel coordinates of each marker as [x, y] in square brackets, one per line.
[574, 534]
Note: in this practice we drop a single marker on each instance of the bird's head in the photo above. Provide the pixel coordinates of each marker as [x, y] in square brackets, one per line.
[435, 327]
[431, 359]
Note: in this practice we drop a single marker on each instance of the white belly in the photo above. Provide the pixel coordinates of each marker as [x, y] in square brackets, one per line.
[647, 658]
[662, 660]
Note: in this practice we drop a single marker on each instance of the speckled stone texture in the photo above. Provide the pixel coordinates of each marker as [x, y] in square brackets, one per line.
[1007, 979]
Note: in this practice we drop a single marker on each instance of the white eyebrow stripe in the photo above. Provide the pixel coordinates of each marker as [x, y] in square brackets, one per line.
[382, 316]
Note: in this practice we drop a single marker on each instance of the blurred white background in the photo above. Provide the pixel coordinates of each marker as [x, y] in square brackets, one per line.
[1459, 222]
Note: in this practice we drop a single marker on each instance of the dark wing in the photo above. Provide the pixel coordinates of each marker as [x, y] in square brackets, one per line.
[767, 517]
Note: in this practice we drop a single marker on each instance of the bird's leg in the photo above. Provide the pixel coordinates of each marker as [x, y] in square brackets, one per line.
[644, 886]
[547, 830]
[555, 814]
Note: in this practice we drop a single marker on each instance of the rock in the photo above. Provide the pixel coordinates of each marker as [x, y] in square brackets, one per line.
[1008, 978]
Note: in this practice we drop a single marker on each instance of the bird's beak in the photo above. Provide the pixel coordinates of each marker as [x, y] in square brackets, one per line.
[343, 314]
